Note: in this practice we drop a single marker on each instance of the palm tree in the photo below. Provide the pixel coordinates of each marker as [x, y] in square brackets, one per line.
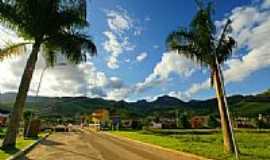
[53, 25]
[200, 43]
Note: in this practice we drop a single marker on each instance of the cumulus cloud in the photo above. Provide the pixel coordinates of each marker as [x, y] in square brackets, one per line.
[119, 20]
[115, 47]
[119, 94]
[170, 63]
[251, 28]
[120, 27]
[141, 56]
[179, 95]
[68, 80]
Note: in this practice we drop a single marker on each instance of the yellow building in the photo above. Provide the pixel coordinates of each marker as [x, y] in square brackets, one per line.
[100, 117]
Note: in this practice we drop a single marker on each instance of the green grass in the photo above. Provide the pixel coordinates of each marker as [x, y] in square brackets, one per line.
[252, 145]
[21, 144]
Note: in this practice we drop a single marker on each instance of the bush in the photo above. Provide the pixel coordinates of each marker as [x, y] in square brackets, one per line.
[212, 122]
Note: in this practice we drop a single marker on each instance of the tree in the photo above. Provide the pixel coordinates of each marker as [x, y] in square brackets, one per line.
[200, 43]
[213, 122]
[53, 25]
[183, 120]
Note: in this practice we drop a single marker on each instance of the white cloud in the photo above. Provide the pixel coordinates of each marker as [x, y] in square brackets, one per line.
[69, 80]
[170, 63]
[266, 4]
[179, 95]
[112, 45]
[251, 28]
[115, 47]
[120, 27]
[141, 56]
[251, 32]
[127, 60]
[118, 94]
[119, 20]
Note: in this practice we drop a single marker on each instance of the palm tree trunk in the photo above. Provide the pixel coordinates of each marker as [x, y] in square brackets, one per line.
[10, 138]
[225, 119]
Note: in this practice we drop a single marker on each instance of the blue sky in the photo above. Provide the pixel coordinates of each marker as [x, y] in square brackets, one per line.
[155, 19]
[132, 61]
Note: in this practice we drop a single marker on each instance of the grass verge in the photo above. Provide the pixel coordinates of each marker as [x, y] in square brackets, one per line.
[21, 144]
[253, 145]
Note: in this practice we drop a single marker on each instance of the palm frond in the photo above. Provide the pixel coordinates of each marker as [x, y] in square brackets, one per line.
[58, 24]
[225, 44]
[49, 55]
[13, 49]
[75, 46]
[184, 42]
[8, 15]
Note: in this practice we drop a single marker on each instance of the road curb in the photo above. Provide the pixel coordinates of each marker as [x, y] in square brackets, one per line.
[27, 149]
[159, 147]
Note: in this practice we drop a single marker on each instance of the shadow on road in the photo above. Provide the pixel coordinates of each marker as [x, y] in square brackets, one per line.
[50, 143]
[65, 151]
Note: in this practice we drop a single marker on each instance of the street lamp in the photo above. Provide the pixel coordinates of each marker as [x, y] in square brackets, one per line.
[38, 89]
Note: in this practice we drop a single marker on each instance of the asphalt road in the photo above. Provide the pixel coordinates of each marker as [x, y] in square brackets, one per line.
[96, 146]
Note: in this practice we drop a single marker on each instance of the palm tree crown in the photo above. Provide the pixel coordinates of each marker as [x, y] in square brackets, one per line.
[200, 42]
[55, 24]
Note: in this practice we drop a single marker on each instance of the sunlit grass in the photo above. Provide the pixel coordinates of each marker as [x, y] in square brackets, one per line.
[21, 144]
[252, 145]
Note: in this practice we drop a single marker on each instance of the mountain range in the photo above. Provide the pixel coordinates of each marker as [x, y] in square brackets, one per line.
[251, 105]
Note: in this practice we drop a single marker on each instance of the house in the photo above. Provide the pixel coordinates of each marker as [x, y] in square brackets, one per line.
[3, 117]
[168, 122]
[127, 123]
[199, 121]
[155, 125]
[244, 122]
[263, 121]
[132, 123]
[100, 115]
[100, 118]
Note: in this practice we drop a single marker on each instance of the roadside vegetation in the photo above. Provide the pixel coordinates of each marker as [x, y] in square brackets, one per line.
[21, 143]
[253, 145]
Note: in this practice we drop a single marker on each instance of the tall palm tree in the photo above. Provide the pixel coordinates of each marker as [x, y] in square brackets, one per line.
[53, 25]
[200, 43]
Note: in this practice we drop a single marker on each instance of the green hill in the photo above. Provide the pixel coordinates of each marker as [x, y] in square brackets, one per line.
[69, 106]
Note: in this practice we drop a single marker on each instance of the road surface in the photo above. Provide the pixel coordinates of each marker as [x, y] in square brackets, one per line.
[96, 146]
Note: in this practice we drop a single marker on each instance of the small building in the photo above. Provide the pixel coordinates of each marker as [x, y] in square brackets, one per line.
[155, 125]
[127, 123]
[244, 122]
[3, 117]
[132, 123]
[100, 118]
[199, 122]
[168, 122]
